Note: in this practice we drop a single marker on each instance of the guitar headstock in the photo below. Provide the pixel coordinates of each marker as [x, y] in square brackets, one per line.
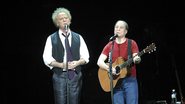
[150, 48]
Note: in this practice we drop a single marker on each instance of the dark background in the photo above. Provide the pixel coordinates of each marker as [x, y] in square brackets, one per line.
[25, 26]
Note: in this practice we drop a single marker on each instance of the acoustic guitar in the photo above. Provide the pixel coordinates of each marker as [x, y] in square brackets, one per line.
[122, 69]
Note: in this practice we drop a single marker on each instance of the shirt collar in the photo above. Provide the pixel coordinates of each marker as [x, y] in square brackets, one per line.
[61, 32]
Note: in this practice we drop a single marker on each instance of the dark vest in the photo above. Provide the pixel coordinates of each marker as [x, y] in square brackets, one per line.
[58, 50]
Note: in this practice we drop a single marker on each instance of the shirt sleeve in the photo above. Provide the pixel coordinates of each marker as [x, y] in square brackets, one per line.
[106, 49]
[84, 53]
[47, 54]
[135, 48]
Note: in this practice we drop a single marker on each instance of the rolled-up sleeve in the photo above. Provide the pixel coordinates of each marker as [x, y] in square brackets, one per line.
[47, 54]
[84, 52]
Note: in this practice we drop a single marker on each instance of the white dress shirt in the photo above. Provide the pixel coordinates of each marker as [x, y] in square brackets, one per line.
[47, 54]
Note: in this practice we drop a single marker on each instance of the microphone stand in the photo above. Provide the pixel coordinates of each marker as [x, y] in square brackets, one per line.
[110, 71]
[178, 81]
[179, 86]
[67, 79]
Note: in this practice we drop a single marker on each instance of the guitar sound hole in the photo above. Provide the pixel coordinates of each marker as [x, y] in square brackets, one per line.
[117, 69]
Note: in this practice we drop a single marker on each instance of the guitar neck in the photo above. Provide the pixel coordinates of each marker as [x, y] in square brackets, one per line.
[129, 61]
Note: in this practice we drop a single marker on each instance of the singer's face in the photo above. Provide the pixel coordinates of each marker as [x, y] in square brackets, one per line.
[62, 20]
[120, 28]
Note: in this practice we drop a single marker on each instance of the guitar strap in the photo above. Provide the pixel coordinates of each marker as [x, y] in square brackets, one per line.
[129, 49]
[129, 56]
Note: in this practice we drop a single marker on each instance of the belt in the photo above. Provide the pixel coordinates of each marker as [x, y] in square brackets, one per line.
[66, 70]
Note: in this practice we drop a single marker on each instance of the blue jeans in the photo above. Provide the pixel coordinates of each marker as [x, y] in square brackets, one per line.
[127, 92]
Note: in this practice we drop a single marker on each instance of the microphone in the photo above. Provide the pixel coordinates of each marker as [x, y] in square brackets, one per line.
[113, 37]
[66, 27]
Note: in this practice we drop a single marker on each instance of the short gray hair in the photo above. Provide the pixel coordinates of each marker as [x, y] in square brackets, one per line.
[125, 23]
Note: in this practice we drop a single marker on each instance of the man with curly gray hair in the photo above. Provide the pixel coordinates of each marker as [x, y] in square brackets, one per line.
[64, 53]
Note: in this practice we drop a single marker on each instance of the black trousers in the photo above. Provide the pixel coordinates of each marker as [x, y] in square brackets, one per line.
[67, 89]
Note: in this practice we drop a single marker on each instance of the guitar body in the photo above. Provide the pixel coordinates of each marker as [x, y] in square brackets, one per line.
[104, 76]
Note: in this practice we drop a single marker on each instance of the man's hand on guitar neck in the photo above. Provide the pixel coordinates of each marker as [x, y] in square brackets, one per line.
[137, 59]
